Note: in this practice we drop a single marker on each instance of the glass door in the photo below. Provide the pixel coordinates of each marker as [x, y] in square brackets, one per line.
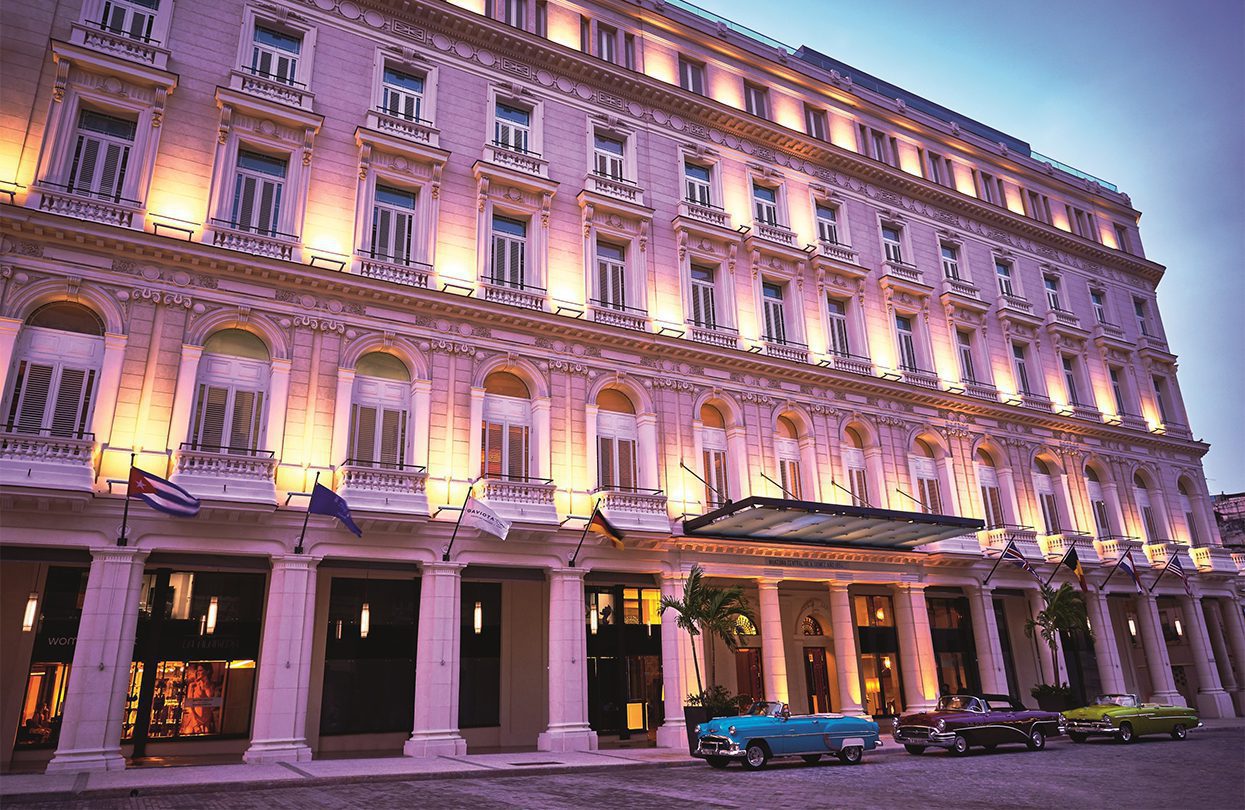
[817, 680]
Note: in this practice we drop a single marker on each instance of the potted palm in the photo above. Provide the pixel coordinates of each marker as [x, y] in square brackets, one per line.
[712, 612]
[1064, 613]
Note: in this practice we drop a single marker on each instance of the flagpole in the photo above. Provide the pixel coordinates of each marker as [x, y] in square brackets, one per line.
[851, 494]
[1118, 560]
[996, 564]
[1170, 557]
[445, 556]
[1059, 565]
[125, 510]
[575, 555]
[298, 549]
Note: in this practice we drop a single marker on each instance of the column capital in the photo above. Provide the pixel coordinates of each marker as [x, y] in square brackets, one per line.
[307, 561]
[441, 568]
[767, 583]
[11, 325]
[566, 572]
[838, 584]
[113, 340]
[126, 554]
[905, 587]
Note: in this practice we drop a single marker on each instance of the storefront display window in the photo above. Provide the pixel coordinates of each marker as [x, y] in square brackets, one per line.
[59, 609]
[480, 670]
[955, 653]
[624, 659]
[879, 654]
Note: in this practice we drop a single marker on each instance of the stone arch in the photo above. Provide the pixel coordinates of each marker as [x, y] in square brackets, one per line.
[863, 426]
[637, 393]
[933, 438]
[799, 416]
[109, 310]
[259, 325]
[523, 369]
[724, 402]
[399, 347]
[819, 611]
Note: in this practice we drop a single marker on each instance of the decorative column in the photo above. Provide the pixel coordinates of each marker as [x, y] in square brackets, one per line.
[1110, 671]
[90, 735]
[773, 657]
[9, 329]
[1219, 646]
[340, 451]
[279, 730]
[986, 639]
[1047, 664]
[568, 670]
[542, 442]
[843, 628]
[592, 467]
[184, 395]
[646, 440]
[475, 443]
[109, 386]
[1212, 700]
[678, 672]
[421, 414]
[1234, 630]
[435, 732]
[916, 648]
[1163, 686]
[278, 398]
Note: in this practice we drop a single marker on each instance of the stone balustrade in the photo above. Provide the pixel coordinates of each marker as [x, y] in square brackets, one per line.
[47, 462]
[372, 486]
[83, 206]
[225, 476]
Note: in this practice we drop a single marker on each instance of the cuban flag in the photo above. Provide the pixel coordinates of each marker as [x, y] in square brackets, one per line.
[163, 496]
[1126, 563]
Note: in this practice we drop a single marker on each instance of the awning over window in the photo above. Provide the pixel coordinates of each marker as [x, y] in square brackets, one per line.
[777, 520]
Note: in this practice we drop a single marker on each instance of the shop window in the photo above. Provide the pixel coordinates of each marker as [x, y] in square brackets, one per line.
[879, 654]
[480, 662]
[55, 628]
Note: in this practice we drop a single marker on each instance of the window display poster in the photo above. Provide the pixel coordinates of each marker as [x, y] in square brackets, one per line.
[202, 697]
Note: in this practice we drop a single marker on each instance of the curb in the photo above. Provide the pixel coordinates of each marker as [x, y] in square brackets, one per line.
[321, 781]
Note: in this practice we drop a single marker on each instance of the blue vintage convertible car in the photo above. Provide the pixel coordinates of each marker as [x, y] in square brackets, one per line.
[769, 730]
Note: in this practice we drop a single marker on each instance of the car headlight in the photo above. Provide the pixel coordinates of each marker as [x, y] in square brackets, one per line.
[941, 725]
[1106, 718]
[700, 729]
[730, 730]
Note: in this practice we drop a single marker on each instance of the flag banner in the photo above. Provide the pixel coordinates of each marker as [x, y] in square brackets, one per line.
[1073, 561]
[598, 524]
[1175, 566]
[1012, 555]
[325, 501]
[1126, 563]
[163, 496]
[480, 515]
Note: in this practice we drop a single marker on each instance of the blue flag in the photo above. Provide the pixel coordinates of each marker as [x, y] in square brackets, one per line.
[325, 501]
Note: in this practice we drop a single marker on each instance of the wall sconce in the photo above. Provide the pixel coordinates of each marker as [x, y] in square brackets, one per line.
[477, 618]
[338, 632]
[327, 262]
[743, 229]
[886, 662]
[457, 289]
[893, 376]
[593, 621]
[213, 608]
[1179, 628]
[1132, 627]
[28, 618]
[365, 620]
[178, 231]
[671, 331]
[881, 614]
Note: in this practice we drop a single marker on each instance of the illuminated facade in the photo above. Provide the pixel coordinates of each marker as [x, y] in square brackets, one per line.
[615, 253]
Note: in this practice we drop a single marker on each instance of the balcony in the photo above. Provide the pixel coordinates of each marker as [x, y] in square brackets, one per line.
[709, 214]
[616, 187]
[95, 36]
[1159, 551]
[635, 509]
[1213, 560]
[902, 271]
[981, 390]
[520, 499]
[1111, 547]
[786, 350]
[721, 336]
[619, 315]
[271, 88]
[235, 474]
[1238, 559]
[415, 130]
[851, 363]
[838, 252]
[266, 243]
[960, 287]
[773, 232]
[47, 459]
[1054, 546]
[381, 487]
[1062, 317]
[384, 268]
[1105, 330]
[524, 297]
[1031, 401]
[922, 378]
[1126, 420]
[1015, 303]
[995, 538]
[519, 160]
[85, 204]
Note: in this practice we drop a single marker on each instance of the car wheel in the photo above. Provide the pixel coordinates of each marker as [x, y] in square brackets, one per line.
[1179, 732]
[959, 746]
[1037, 739]
[916, 750]
[755, 757]
[1076, 736]
[851, 755]
[1126, 734]
[719, 762]
[811, 759]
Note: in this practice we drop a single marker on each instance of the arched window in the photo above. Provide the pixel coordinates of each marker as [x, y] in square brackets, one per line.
[1185, 496]
[231, 393]
[380, 411]
[854, 462]
[1149, 520]
[787, 446]
[924, 466]
[1044, 486]
[810, 627]
[507, 429]
[1097, 502]
[56, 368]
[988, 481]
[713, 447]
[617, 438]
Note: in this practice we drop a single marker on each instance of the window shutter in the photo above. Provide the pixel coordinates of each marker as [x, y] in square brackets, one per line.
[402, 238]
[516, 262]
[240, 428]
[364, 434]
[209, 425]
[30, 396]
[492, 449]
[859, 486]
[626, 464]
[73, 399]
[82, 171]
[112, 176]
[605, 463]
[380, 231]
[500, 255]
[392, 436]
[243, 202]
[517, 452]
[789, 476]
[269, 206]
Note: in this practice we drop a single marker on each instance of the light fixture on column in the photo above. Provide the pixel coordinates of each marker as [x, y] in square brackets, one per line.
[1132, 627]
[477, 618]
[1179, 628]
[28, 618]
[593, 621]
[365, 620]
[338, 634]
[213, 607]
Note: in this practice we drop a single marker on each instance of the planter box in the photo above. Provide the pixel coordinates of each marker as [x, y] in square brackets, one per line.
[1056, 703]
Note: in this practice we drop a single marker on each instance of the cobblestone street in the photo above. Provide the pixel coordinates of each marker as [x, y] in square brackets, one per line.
[1203, 772]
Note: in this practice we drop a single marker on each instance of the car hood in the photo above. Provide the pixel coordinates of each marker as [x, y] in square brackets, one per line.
[932, 717]
[1097, 712]
[719, 725]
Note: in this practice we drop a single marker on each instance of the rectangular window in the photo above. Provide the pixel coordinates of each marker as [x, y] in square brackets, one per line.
[393, 224]
[607, 43]
[629, 51]
[839, 343]
[1003, 271]
[512, 127]
[698, 179]
[51, 397]
[828, 224]
[1121, 238]
[505, 449]
[402, 94]
[508, 268]
[1160, 398]
[616, 463]
[857, 478]
[964, 342]
[378, 435]
[907, 343]
[1037, 206]
[703, 308]
[789, 477]
[941, 170]
[1050, 512]
[274, 54]
[892, 243]
[1070, 374]
[815, 123]
[1020, 360]
[988, 188]
[988, 479]
[775, 317]
[514, 12]
[1083, 223]
[925, 475]
[1117, 389]
[227, 419]
[1052, 292]
[608, 156]
[611, 276]
[258, 183]
[131, 18]
[692, 75]
[1099, 299]
[756, 100]
[950, 261]
[717, 493]
[765, 204]
[542, 18]
[101, 155]
[1143, 319]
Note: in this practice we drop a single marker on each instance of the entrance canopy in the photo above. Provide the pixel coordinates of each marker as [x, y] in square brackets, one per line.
[777, 520]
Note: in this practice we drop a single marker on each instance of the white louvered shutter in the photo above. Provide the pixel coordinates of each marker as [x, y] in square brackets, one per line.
[363, 449]
[702, 305]
[612, 281]
[607, 476]
[210, 409]
[516, 463]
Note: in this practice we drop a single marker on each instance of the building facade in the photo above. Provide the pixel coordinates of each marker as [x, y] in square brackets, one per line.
[615, 254]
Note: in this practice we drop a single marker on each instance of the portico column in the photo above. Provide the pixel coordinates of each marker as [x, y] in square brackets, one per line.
[677, 673]
[1047, 663]
[986, 639]
[437, 657]
[1219, 646]
[773, 657]
[1163, 686]
[90, 735]
[1234, 630]
[1110, 672]
[568, 671]
[843, 628]
[1212, 700]
[279, 731]
[916, 648]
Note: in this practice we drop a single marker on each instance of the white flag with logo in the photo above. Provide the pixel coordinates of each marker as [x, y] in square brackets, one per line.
[480, 515]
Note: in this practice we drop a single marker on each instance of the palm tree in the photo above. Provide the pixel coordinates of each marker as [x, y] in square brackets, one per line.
[1064, 613]
[708, 610]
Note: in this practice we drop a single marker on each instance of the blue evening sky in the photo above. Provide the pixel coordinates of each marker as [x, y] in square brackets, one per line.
[1149, 95]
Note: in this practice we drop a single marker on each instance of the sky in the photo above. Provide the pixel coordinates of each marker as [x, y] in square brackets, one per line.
[1148, 95]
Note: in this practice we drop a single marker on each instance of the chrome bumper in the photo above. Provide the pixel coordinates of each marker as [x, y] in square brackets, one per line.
[936, 739]
[1089, 727]
[715, 748]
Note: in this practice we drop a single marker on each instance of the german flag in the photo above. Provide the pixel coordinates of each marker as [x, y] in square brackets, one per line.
[597, 524]
[1074, 562]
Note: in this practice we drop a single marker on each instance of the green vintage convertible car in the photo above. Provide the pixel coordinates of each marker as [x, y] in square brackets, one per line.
[1125, 718]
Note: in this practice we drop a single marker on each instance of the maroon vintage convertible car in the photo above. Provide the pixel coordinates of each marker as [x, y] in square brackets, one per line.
[962, 721]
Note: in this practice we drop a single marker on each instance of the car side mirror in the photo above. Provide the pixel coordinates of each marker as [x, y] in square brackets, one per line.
[785, 714]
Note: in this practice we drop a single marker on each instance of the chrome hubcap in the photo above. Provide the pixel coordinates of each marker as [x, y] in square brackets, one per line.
[755, 756]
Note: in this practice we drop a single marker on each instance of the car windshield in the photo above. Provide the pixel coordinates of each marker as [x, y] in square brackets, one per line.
[958, 703]
[765, 709]
[1127, 701]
